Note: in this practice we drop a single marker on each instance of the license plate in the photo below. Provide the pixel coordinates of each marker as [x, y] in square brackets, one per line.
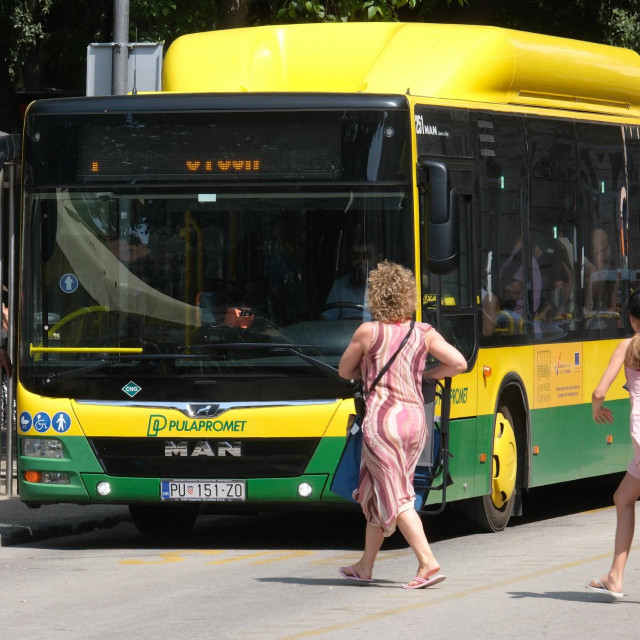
[214, 491]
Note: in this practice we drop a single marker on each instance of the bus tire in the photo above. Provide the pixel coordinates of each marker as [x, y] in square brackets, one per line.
[491, 512]
[162, 519]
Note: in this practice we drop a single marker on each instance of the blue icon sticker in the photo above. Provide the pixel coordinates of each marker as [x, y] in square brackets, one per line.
[68, 283]
[25, 421]
[41, 421]
[61, 422]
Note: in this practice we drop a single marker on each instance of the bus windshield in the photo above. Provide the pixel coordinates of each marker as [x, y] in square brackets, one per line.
[180, 289]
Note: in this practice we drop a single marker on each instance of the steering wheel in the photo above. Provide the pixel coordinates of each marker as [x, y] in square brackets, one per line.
[74, 314]
[70, 317]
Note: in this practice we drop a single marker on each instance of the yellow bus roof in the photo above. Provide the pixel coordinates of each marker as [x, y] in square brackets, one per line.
[449, 62]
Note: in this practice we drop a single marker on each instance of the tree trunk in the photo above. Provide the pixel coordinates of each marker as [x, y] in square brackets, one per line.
[233, 14]
[10, 117]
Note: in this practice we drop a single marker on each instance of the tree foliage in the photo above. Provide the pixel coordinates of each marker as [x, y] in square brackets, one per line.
[44, 41]
[353, 10]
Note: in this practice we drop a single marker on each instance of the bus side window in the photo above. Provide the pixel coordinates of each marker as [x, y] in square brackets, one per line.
[504, 267]
[632, 247]
[553, 226]
[602, 182]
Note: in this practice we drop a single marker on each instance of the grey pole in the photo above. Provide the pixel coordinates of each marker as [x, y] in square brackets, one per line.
[13, 297]
[3, 215]
[120, 47]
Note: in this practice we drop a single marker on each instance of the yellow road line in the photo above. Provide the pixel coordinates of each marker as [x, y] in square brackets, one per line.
[352, 558]
[285, 556]
[246, 556]
[448, 598]
[168, 557]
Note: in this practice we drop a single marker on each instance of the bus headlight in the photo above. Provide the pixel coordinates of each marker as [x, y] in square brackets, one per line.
[42, 448]
[46, 477]
[55, 477]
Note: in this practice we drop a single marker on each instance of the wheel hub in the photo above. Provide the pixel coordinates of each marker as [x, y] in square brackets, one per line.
[504, 461]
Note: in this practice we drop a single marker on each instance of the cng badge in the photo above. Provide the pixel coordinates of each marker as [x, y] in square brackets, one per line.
[131, 388]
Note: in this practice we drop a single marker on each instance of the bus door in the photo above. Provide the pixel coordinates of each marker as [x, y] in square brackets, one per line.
[448, 301]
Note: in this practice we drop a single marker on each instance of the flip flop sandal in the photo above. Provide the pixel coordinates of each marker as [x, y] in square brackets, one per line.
[424, 582]
[350, 574]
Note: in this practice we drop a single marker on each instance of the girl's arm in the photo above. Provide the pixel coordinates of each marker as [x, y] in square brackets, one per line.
[451, 360]
[349, 367]
[602, 414]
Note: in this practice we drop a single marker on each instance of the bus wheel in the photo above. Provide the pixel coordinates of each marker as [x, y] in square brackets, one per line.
[492, 512]
[162, 520]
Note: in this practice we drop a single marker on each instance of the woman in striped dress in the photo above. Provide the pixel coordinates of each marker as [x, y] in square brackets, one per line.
[394, 428]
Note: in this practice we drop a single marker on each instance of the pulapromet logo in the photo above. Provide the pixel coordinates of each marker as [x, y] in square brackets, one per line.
[159, 424]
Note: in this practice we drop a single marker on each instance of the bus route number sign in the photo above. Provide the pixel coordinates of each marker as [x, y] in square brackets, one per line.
[212, 491]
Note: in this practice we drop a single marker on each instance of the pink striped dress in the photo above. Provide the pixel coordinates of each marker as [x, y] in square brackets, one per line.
[633, 384]
[394, 429]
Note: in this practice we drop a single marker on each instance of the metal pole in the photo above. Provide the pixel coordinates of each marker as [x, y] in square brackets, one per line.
[2, 222]
[11, 341]
[120, 65]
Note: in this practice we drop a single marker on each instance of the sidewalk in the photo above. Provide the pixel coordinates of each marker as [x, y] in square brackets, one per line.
[19, 524]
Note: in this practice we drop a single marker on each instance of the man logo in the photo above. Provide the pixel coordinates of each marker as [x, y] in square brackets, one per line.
[205, 410]
[202, 448]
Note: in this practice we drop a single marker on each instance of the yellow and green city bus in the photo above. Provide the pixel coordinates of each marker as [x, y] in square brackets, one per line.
[192, 262]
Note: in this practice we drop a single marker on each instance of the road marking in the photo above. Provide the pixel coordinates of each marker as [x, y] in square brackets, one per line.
[247, 556]
[169, 557]
[448, 598]
[352, 558]
[286, 555]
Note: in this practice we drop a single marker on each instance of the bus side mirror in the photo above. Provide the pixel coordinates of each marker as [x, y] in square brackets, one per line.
[441, 218]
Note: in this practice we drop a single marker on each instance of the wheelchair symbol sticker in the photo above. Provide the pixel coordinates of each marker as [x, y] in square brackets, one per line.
[41, 421]
[61, 422]
[25, 421]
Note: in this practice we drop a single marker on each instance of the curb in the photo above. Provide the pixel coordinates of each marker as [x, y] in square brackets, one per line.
[19, 534]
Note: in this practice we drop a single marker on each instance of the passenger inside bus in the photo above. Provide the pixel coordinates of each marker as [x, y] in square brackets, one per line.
[601, 274]
[504, 313]
[557, 278]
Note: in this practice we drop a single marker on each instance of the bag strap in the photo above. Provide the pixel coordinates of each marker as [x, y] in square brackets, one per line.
[392, 358]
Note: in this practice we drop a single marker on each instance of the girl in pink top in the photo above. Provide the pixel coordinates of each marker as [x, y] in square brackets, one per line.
[394, 428]
[627, 353]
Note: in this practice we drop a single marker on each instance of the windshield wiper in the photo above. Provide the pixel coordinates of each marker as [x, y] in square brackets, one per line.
[285, 347]
[53, 379]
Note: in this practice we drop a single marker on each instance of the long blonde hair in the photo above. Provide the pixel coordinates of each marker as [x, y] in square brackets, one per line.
[632, 355]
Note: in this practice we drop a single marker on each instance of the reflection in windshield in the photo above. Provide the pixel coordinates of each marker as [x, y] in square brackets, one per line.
[173, 272]
[101, 267]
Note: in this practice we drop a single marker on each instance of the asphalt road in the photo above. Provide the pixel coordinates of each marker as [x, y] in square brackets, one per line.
[275, 577]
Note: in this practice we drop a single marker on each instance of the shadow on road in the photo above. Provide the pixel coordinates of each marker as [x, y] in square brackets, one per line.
[329, 529]
[572, 596]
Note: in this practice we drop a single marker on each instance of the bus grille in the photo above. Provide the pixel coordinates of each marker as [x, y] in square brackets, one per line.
[210, 458]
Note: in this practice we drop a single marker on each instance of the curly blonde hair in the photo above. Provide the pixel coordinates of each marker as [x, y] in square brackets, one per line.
[392, 292]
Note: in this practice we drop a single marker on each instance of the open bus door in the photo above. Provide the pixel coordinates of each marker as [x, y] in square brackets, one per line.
[433, 464]
[447, 303]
